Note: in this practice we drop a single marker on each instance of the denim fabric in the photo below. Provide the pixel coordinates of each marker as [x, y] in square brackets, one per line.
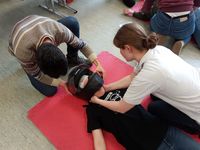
[177, 140]
[164, 25]
[72, 24]
[196, 34]
[45, 89]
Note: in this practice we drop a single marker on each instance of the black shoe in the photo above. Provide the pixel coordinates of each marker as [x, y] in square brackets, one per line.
[74, 61]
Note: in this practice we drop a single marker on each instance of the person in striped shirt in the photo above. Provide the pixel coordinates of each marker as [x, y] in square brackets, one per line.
[34, 41]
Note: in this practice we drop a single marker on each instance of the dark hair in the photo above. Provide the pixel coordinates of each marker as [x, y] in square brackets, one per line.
[51, 60]
[133, 34]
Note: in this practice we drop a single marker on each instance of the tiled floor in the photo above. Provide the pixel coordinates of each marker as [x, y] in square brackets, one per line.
[99, 21]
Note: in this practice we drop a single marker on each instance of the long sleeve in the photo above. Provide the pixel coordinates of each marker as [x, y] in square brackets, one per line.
[65, 35]
[197, 3]
[33, 69]
[147, 5]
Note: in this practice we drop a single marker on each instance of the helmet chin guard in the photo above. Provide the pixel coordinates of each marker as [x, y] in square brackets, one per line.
[95, 82]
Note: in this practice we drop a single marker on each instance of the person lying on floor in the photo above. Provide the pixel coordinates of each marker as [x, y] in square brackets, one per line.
[135, 129]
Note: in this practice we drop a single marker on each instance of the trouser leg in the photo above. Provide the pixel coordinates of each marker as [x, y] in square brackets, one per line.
[177, 140]
[173, 116]
[73, 25]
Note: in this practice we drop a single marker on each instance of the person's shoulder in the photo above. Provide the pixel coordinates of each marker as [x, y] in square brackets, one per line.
[159, 53]
[160, 48]
[36, 18]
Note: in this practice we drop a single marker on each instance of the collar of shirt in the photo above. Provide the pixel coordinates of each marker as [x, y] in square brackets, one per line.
[143, 60]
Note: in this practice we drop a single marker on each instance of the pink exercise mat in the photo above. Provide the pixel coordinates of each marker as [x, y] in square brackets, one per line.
[62, 118]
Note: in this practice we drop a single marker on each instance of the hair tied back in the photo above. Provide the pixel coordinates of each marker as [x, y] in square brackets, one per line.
[151, 41]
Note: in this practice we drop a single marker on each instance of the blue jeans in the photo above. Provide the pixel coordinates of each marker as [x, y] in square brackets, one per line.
[47, 90]
[196, 34]
[177, 140]
[164, 25]
[73, 25]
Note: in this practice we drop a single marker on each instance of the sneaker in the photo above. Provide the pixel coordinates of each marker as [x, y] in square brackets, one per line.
[74, 61]
[177, 47]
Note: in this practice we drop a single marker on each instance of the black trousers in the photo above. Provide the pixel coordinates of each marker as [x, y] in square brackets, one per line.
[173, 116]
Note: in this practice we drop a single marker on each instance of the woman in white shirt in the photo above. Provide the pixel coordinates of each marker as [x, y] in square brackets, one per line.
[161, 73]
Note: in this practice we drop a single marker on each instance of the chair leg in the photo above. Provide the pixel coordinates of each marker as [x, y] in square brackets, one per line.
[50, 6]
[68, 7]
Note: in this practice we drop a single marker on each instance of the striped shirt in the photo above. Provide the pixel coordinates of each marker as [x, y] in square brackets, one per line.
[29, 33]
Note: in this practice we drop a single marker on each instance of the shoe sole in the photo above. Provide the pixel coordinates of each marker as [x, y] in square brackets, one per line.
[177, 47]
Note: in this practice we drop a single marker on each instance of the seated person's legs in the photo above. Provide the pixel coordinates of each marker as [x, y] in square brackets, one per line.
[176, 139]
[173, 116]
[71, 23]
[134, 123]
[45, 89]
[72, 53]
[180, 29]
[196, 34]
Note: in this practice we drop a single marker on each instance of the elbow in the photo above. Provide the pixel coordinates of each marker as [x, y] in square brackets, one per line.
[123, 110]
[123, 106]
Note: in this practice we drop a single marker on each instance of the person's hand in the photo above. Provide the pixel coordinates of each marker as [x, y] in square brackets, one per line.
[128, 12]
[99, 69]
[63, 84]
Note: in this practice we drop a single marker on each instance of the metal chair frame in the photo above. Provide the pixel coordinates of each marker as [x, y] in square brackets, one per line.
[50, 6]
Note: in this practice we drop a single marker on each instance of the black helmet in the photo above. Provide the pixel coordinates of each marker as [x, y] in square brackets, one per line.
[95, 82]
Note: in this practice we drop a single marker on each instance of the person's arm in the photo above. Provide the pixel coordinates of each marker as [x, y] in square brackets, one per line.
[98, 140]
[147, 6]
[33, 69]
[65, 35]
[118, 106]
[120, 84]
[196, 4]
[87, 52]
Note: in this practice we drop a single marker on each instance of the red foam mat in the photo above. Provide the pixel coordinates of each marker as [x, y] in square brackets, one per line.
[62, 118]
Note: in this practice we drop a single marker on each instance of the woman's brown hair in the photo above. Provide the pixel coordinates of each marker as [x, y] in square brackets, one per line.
[133, 34]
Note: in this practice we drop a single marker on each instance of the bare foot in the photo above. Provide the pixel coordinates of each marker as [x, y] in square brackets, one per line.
[128, 12]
